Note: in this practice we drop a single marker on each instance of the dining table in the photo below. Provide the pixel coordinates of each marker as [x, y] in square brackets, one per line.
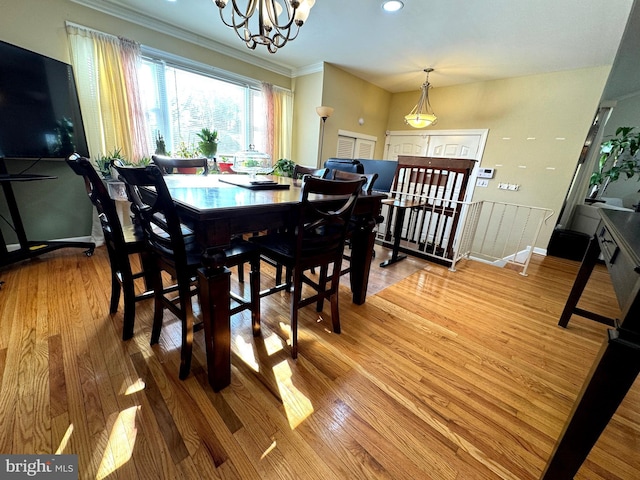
[219, 207]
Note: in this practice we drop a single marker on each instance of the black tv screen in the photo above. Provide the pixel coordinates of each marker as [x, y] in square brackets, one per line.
[39, 109]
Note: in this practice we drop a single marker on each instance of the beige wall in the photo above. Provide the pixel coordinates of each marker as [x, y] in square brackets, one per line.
[307, 90]
[533, 112]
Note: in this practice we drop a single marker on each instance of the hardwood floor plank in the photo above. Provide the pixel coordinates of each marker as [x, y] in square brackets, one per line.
[447, 375]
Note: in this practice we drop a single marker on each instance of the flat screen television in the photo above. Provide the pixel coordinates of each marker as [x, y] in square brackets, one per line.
[39, 108]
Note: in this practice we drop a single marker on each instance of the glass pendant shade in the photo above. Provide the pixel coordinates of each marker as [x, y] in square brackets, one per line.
[420, 120]
[422, 115]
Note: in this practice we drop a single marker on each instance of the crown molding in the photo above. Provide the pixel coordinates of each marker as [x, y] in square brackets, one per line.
[137, 18]
[309, 69]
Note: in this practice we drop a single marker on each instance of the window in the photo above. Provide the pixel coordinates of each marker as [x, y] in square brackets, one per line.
[180, 100]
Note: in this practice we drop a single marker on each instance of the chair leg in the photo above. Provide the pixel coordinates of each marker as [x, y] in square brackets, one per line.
[186, 350]
[241, 272]
[322, 286]
[335, 288]
[335, 313]
[295, 305]
[148, 265]
[158, 307]
[254, 285]
[129, 295]
[115, 288]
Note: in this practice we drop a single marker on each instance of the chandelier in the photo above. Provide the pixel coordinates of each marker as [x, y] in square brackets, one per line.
[422, 115]
[266, 28]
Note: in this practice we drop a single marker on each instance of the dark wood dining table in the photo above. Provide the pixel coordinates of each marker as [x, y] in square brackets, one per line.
[218, 207]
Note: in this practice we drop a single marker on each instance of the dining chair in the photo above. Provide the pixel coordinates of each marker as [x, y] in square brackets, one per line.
[300, 170]
[370, 178]
[315, 239]
[167, 164]
[367, 188]
[177, 253]
[121, 242]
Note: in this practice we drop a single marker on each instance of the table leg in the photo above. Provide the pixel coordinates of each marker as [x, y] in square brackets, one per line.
[612, 375]
[214, 283]
[362, 242]
[397, 233]
[588, 263]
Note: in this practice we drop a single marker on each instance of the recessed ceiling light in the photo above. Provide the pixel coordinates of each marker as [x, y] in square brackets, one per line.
[392, 5]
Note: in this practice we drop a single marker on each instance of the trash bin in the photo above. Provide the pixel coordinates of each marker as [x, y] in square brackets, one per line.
[568, 244]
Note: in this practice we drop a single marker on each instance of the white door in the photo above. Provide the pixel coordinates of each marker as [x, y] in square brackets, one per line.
[440, 143]
[406, 145]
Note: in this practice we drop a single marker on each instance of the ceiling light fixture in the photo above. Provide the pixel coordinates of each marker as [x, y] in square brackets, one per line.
[266, 28]
[392, 5]
[422, 115]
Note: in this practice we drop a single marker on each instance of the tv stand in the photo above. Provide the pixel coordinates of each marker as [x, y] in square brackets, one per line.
[28, 248]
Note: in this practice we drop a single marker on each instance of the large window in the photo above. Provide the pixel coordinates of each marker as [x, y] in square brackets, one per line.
[179, 101]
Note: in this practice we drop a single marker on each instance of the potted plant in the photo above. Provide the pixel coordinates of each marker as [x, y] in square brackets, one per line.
[161, 148]
[208, 144]
[186, 150]
[617, 157]
[284, 167]
[103, 162]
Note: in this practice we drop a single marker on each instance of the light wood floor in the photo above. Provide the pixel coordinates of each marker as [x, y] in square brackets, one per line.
[440, 375]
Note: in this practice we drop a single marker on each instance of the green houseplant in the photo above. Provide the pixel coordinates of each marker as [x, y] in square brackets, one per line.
[617, 158]
[103, 162]
[208, 144]
[284, 167]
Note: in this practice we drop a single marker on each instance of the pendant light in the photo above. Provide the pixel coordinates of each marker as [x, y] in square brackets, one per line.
[422, 115]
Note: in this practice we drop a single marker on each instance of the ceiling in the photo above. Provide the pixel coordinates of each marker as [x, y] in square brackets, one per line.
[464, 41]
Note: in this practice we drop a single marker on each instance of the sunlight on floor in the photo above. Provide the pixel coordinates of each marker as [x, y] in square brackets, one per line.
[120, 444]
[268, 450]
[246, 350]
[137, 386]
[65, 440]
[296, 405]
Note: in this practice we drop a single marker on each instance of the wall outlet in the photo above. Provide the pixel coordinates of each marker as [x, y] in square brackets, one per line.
[481, 182]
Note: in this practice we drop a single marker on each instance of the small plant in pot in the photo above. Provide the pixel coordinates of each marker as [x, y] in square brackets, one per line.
[284, 167]
[103, 162]
[186, 150]
[208, 144]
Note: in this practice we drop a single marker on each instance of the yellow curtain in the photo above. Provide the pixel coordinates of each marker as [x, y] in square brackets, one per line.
[106, 73]
[279, 106]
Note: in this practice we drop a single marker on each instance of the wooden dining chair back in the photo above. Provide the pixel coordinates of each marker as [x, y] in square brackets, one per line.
[300, 171]
[315, 239]
[121, 242]
[367, 189]
[168, 165]
[370, 179]
[177, 253]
